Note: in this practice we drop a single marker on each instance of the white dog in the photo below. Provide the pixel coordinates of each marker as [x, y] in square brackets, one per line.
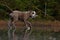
[23, 16]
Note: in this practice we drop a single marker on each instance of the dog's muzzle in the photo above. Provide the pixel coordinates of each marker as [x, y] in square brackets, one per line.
[34, 16]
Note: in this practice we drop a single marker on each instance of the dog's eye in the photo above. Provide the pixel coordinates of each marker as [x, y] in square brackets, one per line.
[32, 13]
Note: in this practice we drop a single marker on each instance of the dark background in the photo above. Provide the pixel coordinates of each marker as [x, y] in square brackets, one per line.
[46, 9]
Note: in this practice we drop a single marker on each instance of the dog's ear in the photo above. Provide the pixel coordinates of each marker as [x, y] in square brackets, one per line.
[30, 11]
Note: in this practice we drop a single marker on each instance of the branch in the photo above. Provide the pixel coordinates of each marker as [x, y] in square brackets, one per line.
[38, 9]
[5, 4]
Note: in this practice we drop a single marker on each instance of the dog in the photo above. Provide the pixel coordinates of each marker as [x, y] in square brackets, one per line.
[22, 16]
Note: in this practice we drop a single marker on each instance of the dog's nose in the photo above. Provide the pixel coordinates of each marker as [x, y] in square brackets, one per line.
[36, 15]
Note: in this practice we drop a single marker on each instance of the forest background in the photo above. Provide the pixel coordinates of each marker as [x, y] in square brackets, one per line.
[46, 9]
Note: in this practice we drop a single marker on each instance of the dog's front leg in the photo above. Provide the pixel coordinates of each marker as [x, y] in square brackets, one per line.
[26, 25]
[29, 25]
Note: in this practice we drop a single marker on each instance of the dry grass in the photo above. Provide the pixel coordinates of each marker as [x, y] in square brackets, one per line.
[44, 25]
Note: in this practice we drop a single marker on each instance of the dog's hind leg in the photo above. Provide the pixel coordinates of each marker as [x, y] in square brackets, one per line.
[9, 29]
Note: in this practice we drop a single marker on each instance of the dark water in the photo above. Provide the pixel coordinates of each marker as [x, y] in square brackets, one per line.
[35, 35]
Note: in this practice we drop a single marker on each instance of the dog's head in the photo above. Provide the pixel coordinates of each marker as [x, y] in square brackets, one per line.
[33, 14]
